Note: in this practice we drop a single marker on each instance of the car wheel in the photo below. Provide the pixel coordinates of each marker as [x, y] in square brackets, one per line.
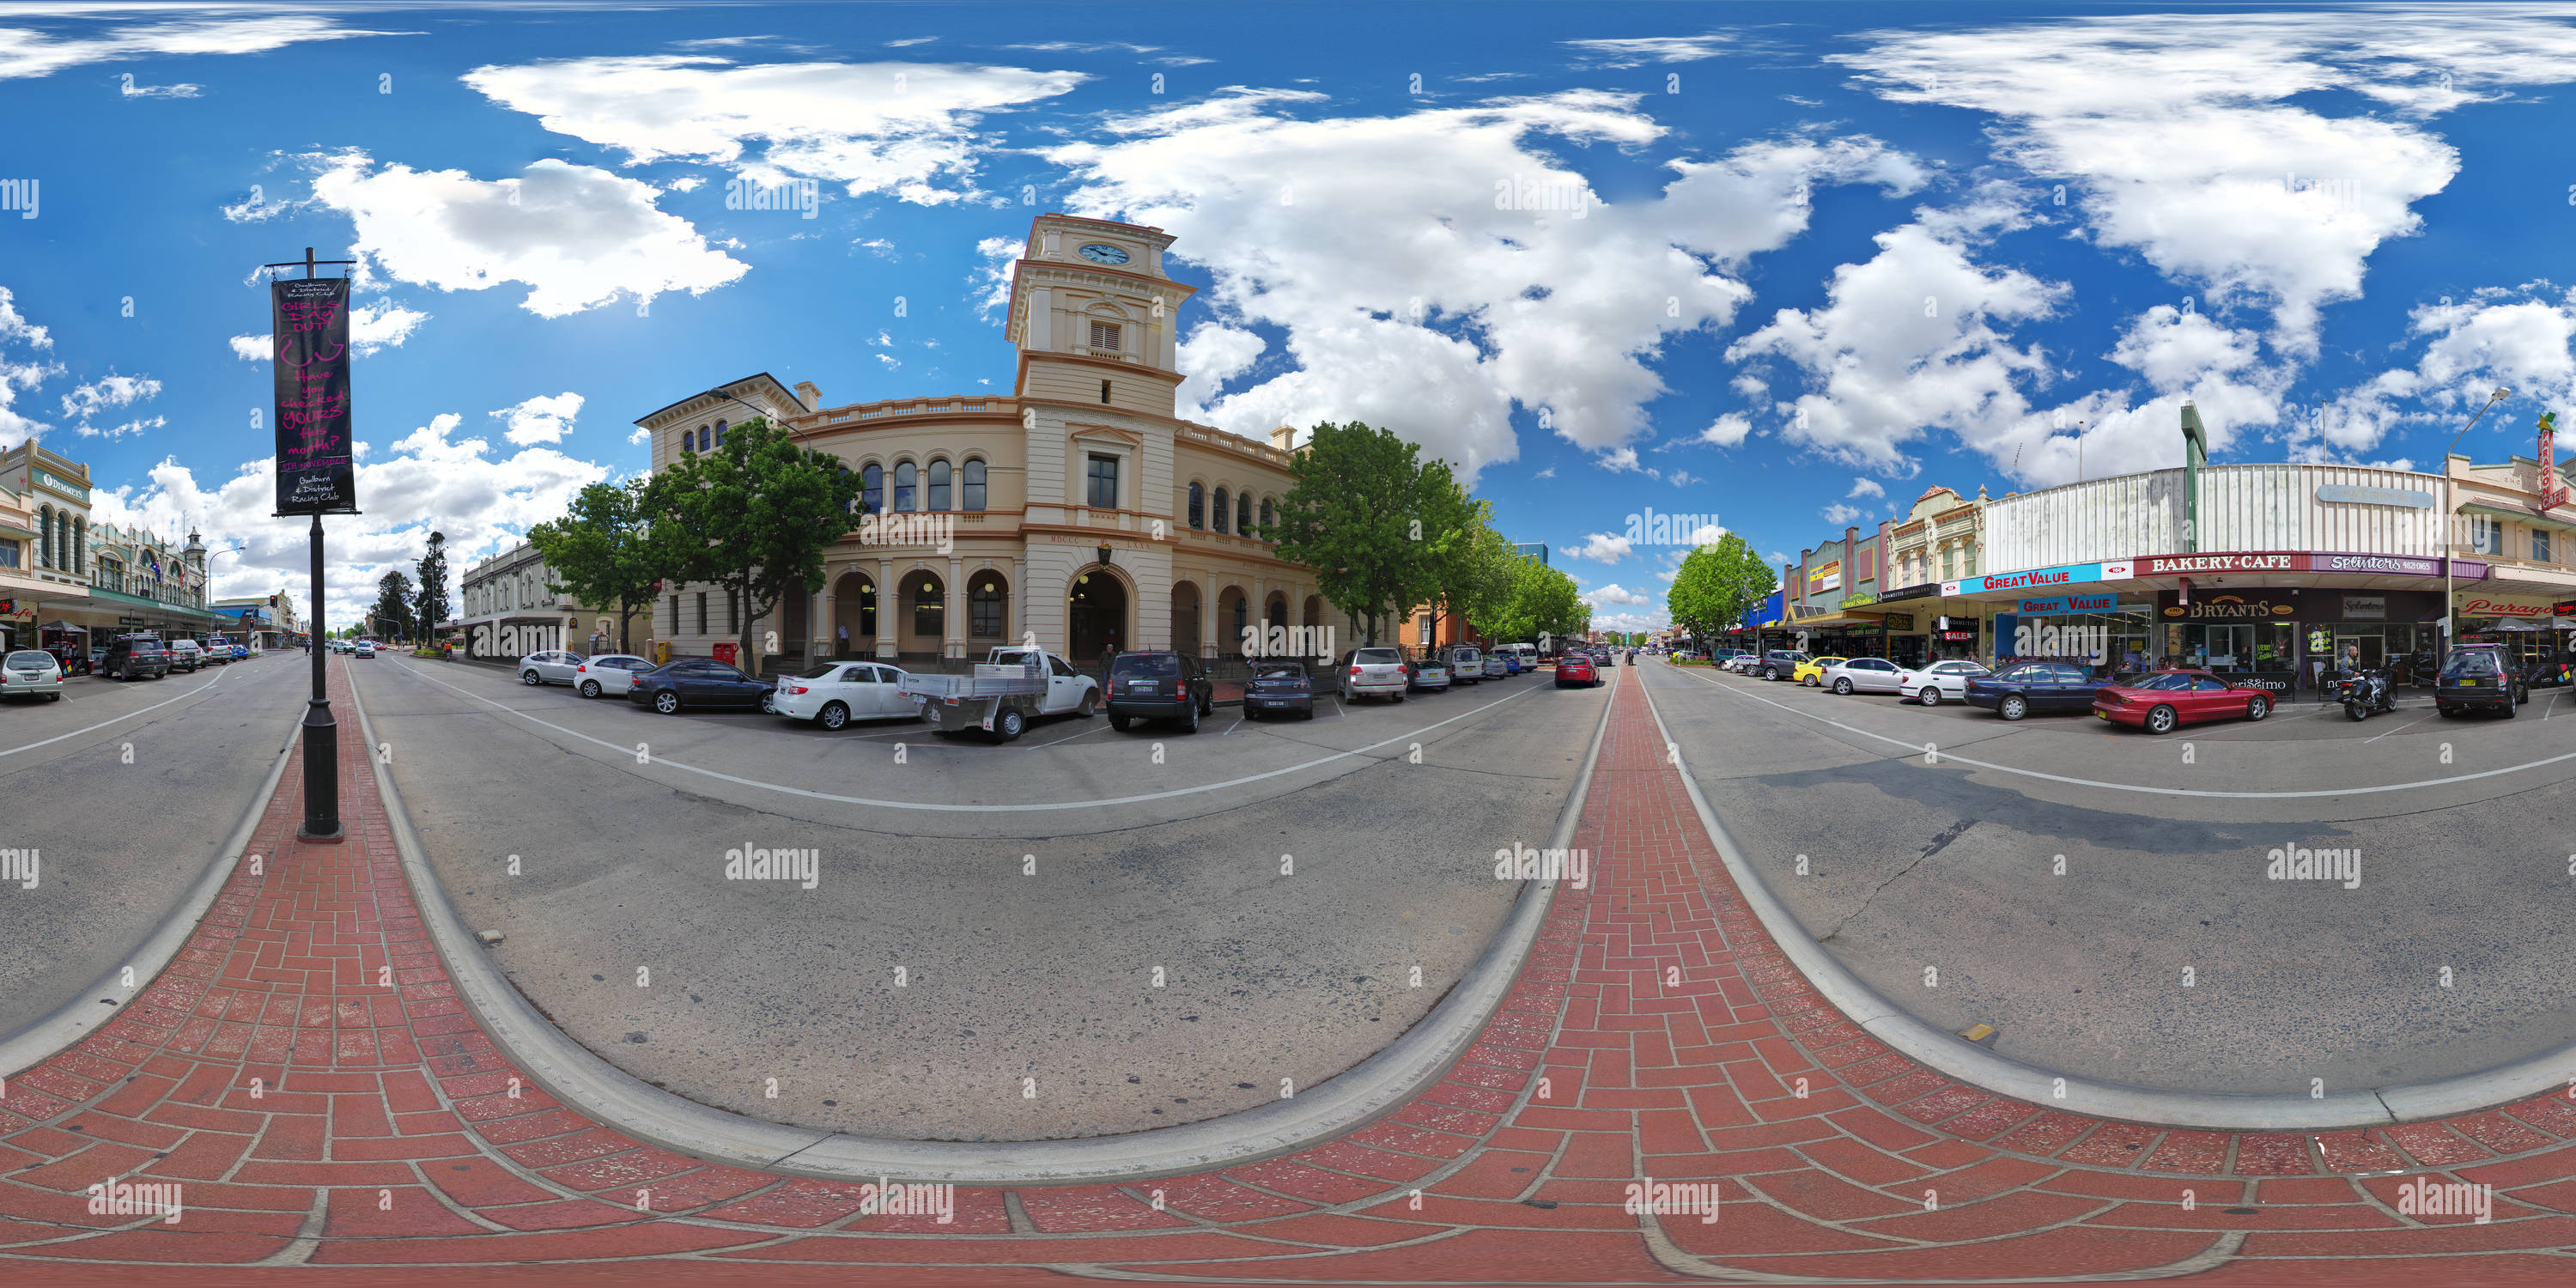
[667, 702]
[1118, 722]
[2013, 707]
[2162, 719]
[2443, 710]
[1399, 697]
[2258, 707]
[834, 715]
[1190, 722]
[590, 688]
[1090, 703]
[1929, 696]
[53, 697]
[2510, 706]
[1843, 687]
[1010, 724]
[769, 703]
[530, 676]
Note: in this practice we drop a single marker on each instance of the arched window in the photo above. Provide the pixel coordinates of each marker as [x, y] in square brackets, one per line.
[984, 607]
[1243, 515]
[929, 607]
[1242, 615]
[80, 545]
[720, 426]
[44, 536]
[905, 486]
[974, 485]
[1198, 506]
[1269, 518]
[938, 486]
[1223, 509]
[872, 490]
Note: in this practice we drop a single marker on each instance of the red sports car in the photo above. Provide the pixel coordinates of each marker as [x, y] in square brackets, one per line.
[1573, 669]
[2166, 699]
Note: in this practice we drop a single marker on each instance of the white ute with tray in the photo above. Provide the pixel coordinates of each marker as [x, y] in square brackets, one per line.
[1005, 691]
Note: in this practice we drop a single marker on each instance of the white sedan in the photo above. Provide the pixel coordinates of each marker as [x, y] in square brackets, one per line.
[608, 673]
[1939, 682]
[832, 694]
[1862, 675]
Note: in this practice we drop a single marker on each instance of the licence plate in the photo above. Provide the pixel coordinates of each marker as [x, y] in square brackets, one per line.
[2468, 684]
[2101, 715]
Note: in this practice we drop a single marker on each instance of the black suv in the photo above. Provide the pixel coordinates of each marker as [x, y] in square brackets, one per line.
[1158, 686]
[1779, 664]
[2478, 676]
[134, 657]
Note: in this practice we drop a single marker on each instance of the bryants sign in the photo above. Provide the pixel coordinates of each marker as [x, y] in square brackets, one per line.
[309, 321]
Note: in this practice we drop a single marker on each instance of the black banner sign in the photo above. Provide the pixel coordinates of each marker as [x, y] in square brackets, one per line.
[309, 324]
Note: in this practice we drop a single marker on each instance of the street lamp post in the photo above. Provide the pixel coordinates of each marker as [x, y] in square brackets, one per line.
[2450, 514]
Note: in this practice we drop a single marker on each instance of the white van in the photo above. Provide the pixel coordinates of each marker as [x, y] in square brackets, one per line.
[1527, 653]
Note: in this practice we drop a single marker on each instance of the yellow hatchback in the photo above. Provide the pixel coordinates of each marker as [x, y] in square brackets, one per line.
[1812, 671]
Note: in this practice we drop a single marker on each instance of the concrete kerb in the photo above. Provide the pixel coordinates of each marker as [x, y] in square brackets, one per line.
[76, 1019]
[2542, 1074]
[607, 1095]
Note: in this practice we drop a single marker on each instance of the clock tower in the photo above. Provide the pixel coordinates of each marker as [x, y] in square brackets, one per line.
[1094, 316]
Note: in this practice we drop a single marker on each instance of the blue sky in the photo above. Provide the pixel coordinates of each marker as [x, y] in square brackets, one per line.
[1786, 265]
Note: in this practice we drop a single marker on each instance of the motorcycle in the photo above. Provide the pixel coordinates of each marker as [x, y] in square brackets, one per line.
[2367, 693]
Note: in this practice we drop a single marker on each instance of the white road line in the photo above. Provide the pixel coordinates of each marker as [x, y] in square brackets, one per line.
[2553, 704]
[2153, 791]
[1090, 729]
[627, 753]
[2399, 729]
[1238, 723]
[115, 719]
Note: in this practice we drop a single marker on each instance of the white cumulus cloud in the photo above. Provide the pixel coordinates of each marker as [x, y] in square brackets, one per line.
[540, 419]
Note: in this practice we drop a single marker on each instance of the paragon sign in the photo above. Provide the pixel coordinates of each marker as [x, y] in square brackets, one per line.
[309, 320]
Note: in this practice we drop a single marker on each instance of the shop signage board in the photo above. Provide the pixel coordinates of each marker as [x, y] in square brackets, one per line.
[1959, 637]
[2390, 565]
[2230, 606]
[2040, 578]
[1902, 623]
[2246, 561]
[2061, 605]
[1824, 577]
[2477, 605]
[2365, 608]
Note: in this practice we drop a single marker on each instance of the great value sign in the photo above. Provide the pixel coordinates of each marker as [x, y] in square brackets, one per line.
[2040, 578]
[2061, 605]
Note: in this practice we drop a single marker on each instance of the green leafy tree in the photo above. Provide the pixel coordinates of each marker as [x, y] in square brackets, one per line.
[751, 517]
[1486, 586]
[602, 553]
[393, 603]
[1545, 602]
[1717, 585]
[431, 610]
[1355, 518]
[1471, 565]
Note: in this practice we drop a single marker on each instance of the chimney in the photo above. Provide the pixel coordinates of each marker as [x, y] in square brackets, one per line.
[1284, 438]
[808, 394]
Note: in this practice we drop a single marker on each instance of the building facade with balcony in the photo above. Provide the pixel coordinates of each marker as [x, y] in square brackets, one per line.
[505, 611]
[1079, 511]
[51, 601]
[262, 621]
[2268, 573]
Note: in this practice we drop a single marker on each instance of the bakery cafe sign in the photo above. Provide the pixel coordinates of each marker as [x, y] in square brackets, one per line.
[2189, 565]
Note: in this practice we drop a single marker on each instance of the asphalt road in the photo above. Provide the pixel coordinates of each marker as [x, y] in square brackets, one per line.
[1939, 883]
[119, 840]
[985, 970]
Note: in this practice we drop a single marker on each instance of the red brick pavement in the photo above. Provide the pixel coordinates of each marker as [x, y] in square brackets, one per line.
[306, 1073]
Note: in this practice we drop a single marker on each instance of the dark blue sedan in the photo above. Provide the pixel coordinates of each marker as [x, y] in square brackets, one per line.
[1279, 686]
[687, 682]
[2018, 690]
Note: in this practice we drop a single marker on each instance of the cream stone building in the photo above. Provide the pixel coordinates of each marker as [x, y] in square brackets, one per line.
[1079, 510]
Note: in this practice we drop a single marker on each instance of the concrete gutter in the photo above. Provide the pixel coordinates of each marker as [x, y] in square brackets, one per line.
[85, 1014]
[2546, 1073]
[614, 1098]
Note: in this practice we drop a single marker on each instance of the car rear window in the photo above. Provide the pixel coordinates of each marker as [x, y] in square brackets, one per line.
[1377, 656]
[2472, 662]
[1147, 664]
[1280, 671]
[824, 672]
[27, 657]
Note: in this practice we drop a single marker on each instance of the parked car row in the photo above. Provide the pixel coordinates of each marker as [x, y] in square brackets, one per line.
[2157, 702]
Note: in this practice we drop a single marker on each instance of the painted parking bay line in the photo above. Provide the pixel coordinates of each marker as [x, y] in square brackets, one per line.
[115, 719]
[627, 753]
[2154, 791]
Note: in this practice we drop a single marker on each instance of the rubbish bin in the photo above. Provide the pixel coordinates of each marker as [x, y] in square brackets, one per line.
[661, 652]
[724, 650]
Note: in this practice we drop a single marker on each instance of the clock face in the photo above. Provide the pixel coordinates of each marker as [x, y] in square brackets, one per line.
[1101, 253]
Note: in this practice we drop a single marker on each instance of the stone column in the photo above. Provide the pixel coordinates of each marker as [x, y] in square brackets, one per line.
[953, 620]
[888, 627]
[1019, 614]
